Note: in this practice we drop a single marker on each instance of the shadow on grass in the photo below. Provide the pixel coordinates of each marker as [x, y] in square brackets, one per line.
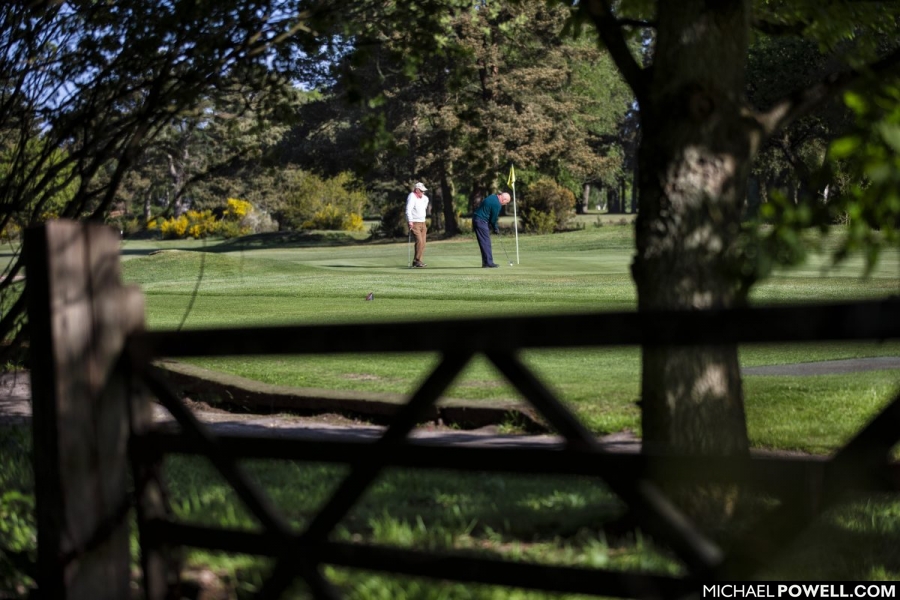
[260, 241]
[288, 239]
[400, 268]
[274, 240]
[851, 542]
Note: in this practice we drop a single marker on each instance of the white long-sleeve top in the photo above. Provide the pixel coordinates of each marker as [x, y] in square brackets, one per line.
[416, 207]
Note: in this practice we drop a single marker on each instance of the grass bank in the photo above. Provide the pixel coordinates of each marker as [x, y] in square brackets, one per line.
[322, 279]
[554, 520]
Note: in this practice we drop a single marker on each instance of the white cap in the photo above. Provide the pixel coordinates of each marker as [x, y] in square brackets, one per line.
[421, 186]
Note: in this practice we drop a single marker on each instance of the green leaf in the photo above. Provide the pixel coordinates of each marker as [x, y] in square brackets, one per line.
[856, 102]
[878, 172]
[845, 146]
[890, 133]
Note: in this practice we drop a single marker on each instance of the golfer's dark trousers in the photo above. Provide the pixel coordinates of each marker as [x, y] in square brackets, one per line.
[483, 233]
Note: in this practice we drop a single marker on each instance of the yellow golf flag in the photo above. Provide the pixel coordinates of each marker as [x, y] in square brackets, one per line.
[511, 181]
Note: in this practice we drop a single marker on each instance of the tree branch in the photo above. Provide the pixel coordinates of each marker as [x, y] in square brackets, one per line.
[638, 23]
[779, 29]
[803, 101]
[610, 30]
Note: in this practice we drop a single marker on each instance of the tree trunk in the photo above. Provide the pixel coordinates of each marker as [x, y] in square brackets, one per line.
[147, 213]
[177, 173]
[613, 206]
[452, 227]
[436, 208]
[634, 189]
[477, 194]
[413, 157]
[694, 162]
[754, 198]
[582, 207]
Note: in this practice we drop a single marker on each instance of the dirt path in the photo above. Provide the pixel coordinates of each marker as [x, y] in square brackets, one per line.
[15, 407]
[828, 367]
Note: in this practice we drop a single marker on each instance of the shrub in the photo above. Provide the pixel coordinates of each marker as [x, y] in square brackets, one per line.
[11, 232]
[333, 218]
[238, 218]
[393, 221]
[255, 222]
[241, 218]
[548, 207]
[174, 227]
[311, 200]
[236, 210]
[535, 221]
[194, 223]
[354, 222]
[231, 229]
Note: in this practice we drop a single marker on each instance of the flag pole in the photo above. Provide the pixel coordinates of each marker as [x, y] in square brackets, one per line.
[512, 183]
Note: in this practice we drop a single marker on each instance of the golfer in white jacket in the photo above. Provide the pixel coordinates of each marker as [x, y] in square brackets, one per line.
[416, 206]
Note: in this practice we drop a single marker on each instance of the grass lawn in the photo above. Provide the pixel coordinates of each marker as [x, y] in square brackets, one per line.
[324, 279]
[553, 520]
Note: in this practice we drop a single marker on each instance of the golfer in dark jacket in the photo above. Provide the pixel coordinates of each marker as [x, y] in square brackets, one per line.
[484, 220]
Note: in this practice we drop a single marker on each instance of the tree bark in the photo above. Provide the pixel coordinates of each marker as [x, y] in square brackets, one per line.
[582, 206]
[635, 186]
[147, 212]
[613, 206]
[694, 162]
[451, 226]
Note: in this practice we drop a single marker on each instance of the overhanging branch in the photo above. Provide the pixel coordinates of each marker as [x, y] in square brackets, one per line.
[803, 101]
[779, 29]
[610, 30]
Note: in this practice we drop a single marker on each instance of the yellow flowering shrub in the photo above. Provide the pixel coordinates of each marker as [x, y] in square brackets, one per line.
[174, 227]
[354, 222]
[237, 209]
[11, 231]
[332, 218]
[238, 218]
[194, 223]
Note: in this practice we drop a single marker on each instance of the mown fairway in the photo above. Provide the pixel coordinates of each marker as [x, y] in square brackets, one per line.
[553, 520]
[321, 279]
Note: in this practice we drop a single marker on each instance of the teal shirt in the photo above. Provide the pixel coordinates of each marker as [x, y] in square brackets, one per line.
[489, 210]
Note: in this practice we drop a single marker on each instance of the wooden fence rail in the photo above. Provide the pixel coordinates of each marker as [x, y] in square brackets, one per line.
[86, 372]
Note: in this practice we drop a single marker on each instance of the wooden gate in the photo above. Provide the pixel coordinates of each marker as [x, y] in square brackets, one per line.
[90, 354]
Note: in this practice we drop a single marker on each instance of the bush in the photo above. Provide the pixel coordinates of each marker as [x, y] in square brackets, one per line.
[310, 202]
[194, 223]
[393, 222]
[534, 221]
[236, 210]
[255, 222]
[332, 218]
[548, 207]
[238, 218]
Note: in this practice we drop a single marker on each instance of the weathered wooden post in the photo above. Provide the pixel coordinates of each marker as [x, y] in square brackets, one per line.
[79, 315]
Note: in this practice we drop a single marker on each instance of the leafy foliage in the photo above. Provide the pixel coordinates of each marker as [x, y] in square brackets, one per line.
[18, 531]
[548, 207]
[871, 154]
[311, 202]
[393, 222]
[330, 217]
[502, 84]
[236, 219]
[86, 89]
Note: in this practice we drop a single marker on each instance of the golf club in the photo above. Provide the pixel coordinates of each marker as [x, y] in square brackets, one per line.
[502, 245]
[409, 250]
